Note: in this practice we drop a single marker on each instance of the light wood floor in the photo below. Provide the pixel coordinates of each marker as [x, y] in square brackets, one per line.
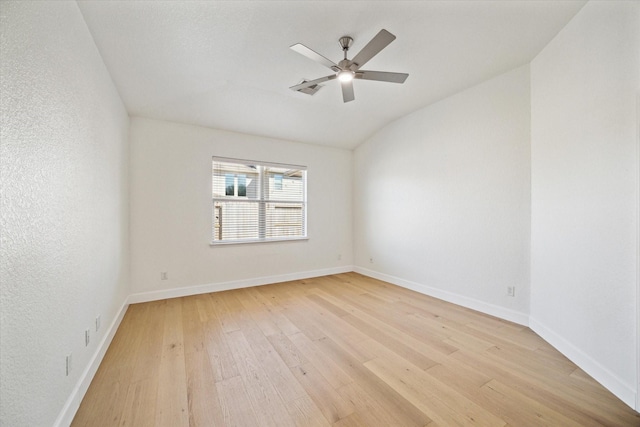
[342, 350]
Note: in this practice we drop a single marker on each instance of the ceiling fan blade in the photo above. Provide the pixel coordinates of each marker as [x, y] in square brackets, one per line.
[379, 42]
[382, 76]
[347, 91]
[312, 82]
[315, 56]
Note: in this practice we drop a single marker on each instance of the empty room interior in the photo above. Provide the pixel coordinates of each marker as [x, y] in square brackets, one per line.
[320, 213]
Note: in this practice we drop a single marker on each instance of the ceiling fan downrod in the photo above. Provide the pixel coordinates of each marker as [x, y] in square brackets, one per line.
[345, 43]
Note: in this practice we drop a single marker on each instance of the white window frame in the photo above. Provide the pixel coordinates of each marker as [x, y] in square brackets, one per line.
[261, 200]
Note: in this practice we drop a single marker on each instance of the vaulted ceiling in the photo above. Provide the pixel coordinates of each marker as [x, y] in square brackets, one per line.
[227, 64]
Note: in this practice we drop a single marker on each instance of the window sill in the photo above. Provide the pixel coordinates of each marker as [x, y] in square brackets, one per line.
[253, 241]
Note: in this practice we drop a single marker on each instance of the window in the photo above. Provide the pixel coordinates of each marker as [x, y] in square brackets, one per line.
[257, 202]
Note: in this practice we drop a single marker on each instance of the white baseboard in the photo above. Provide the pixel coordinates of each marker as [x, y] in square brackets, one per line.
[472, 303]
[73, 402]
[598, 372]
[236, 284]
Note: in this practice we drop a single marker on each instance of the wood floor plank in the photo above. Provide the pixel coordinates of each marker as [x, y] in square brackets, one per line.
[305, 412]
[330, 370]
[511, 406]
[382, 392]
[172, 406]
[330, 403]
[280, 320]
[287, 350]
[265, 400]
[234, 403]
[202, 394]
[273, 366]
[342, 350]
[367, 325]
[139, 407]
[354, 420]
[258, 313]
[332, 327]
[524, 409]
[554, 392]
[223, 314]
[439, 401]
[368, 409]
[217, 321]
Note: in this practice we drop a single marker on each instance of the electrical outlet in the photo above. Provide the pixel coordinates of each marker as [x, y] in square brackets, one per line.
[163, 276]
[339, 257]
[68, 364]
[97, 323]
[87, 337]
[370, 260]
[511, 291]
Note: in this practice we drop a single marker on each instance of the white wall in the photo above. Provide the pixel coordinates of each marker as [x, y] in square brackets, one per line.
[64, 205]
[171, 210]
[584, 192]
[442, 198]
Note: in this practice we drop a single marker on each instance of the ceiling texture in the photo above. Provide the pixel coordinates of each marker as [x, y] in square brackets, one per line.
[228, 65]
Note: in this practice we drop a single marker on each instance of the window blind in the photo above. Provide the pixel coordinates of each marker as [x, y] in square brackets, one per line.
[257, 201]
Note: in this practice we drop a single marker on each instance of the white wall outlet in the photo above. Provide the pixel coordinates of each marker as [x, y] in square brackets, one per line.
[87, 337]
[339, 257]
[163, 275]
[68, 364]
[511, 291]
[97, 323]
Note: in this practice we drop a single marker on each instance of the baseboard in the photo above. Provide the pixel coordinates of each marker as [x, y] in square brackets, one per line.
[598, 372]
[73, 402]
[236, 284]
[472, 303]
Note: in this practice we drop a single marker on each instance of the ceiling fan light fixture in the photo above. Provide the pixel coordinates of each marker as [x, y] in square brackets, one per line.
[346, 75]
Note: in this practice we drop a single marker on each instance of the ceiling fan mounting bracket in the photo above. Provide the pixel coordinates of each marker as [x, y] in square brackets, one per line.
[345, 42]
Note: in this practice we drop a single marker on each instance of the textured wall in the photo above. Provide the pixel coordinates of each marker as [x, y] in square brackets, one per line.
[584, 87]
[442, 197]
[64, 205]
[171, 208]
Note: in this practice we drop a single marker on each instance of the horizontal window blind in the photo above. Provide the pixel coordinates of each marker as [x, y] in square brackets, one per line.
[255, 201]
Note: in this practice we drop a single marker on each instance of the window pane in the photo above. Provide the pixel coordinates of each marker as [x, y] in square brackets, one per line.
[287, 186]
[238, 220]
[229, 184]
[284, 220]
[242, 185]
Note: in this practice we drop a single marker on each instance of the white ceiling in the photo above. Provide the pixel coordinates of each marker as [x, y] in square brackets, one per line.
[227, 64]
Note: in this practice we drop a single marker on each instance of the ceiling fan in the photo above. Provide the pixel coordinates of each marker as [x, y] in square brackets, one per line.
[349, 69]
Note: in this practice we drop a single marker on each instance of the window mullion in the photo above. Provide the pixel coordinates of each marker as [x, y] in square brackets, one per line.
[262, 209]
